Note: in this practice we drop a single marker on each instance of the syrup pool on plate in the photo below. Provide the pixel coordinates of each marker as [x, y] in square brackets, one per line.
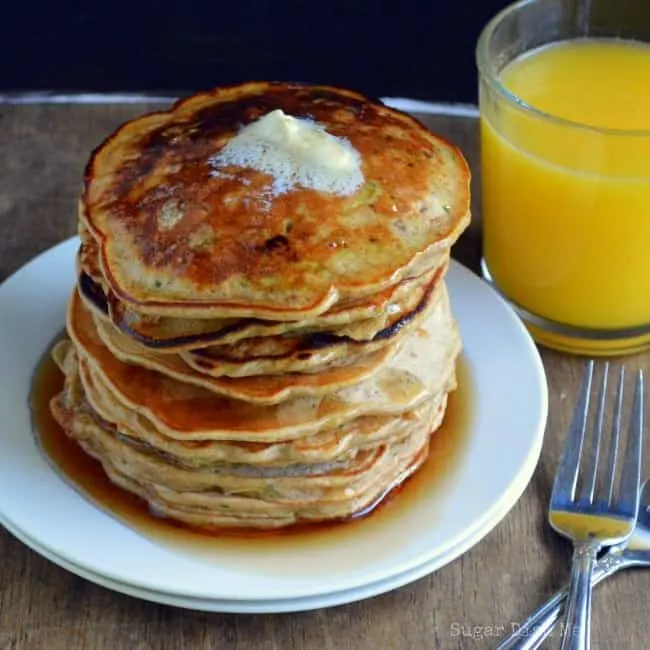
[85, 475]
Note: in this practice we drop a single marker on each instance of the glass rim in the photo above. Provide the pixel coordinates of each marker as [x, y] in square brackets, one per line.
[487, 72]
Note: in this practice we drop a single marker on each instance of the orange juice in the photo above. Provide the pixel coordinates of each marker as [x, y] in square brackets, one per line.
[566, 207]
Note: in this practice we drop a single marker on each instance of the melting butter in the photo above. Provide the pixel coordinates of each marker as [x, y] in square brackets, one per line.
[295, 152]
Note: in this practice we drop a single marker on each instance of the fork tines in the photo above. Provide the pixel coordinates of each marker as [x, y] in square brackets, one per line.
[593, 420]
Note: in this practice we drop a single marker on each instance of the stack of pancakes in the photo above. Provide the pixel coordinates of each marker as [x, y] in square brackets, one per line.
[240, 357]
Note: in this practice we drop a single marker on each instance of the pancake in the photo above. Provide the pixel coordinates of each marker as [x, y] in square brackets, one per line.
[178, 237]
[343, 442]
[255, 502]
[88, 261]
[364, 432]
[359, 320]
[257, 389]
[273, 355]
[312, 481]
[422, 368]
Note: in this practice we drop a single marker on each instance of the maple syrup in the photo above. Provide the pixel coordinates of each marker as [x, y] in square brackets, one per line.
[86, 475]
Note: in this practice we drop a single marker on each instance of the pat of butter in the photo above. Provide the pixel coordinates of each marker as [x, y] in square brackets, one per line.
[295, 152]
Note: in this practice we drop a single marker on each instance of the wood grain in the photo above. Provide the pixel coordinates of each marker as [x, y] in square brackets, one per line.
[466, 605]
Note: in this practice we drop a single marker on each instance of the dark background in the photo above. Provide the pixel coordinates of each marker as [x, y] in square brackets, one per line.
[414, 48]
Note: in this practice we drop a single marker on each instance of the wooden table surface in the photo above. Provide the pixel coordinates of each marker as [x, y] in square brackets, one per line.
[467, 604]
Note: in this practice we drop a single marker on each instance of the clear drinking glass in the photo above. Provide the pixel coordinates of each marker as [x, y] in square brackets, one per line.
[566, 205]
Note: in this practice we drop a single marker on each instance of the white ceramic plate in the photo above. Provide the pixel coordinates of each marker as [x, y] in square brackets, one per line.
[510, 407]
[281, 605]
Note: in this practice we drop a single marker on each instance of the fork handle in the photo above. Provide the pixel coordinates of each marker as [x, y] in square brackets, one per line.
[577, 622]
[537, 627]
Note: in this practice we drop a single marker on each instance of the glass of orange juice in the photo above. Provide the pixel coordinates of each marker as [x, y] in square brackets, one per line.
[565, 149]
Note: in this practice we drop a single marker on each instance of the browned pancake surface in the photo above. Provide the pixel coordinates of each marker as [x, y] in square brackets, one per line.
[177, 238]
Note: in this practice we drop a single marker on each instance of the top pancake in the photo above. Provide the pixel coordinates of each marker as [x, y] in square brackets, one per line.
[177, 239]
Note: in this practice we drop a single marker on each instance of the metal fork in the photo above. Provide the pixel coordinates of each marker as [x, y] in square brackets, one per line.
[600, 515]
